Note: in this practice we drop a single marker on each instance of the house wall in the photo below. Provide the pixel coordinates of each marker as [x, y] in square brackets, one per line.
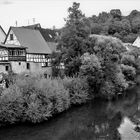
[37, 68]
[19, 67]
[14, 41]
[3, 68]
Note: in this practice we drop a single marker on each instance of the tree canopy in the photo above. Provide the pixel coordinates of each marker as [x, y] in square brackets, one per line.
[72, 41]
[92, 49]
[126, 28]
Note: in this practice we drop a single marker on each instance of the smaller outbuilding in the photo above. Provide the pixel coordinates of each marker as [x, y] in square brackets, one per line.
[137, 42]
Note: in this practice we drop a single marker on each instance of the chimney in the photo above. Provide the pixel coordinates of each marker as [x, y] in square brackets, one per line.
[33, 20]
[54, 27]
[16, 23]
[28, 22]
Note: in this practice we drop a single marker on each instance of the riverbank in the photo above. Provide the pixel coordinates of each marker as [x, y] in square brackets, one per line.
[94, 120]
[35, 99]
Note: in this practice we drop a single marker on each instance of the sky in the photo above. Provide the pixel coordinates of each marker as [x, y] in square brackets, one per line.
[51, 13]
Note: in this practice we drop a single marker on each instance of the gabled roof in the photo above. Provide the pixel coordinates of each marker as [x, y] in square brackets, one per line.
[2, 30]
[53, 46]
[32, 39]
[34, 26]
[48, 34]
[137, 42]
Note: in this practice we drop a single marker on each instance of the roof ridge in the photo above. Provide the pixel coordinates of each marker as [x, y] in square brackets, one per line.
[2, 29]
[32, 39]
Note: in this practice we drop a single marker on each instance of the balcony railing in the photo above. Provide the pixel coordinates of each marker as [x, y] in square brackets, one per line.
[17, 58]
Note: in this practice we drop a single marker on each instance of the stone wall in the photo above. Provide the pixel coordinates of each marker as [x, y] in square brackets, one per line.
[20, 67]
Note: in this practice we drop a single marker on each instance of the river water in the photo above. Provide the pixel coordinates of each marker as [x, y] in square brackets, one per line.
[97, 120]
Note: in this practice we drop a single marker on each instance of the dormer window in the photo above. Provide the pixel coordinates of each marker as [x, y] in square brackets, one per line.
[11, 37]
[50, 35]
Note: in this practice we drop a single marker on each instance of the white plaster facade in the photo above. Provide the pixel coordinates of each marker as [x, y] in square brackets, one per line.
[14, 41]
[3, 67]
[37, 68]
[19, 67]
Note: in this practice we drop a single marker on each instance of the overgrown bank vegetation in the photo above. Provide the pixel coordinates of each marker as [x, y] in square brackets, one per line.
[35, 99]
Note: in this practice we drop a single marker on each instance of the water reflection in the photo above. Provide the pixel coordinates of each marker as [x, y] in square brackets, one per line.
[95, 121]
[127, 130]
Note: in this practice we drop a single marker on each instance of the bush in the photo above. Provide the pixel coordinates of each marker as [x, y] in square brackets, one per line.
[128, 60]
[78, 89]
[102, 69]
[11, 105]
[35, 98]
[91, 71]
[108, 90]
[129, 72]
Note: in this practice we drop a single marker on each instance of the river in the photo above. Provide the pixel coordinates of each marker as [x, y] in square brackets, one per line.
[97, 120]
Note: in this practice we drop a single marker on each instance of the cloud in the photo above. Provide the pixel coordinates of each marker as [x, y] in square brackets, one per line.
[7, 2]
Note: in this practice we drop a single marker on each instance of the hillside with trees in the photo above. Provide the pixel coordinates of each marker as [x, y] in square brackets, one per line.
[126, 28]
[89, 49]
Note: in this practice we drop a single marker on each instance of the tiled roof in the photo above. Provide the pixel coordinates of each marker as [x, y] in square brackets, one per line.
[53, 46]
[48, 34]
[32, 39]
[34, 26]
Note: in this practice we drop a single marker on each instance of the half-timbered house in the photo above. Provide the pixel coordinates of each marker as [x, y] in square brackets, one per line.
[26, 51]
[12, 58]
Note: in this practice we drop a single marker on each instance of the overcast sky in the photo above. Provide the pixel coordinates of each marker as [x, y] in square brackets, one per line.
[52, 12]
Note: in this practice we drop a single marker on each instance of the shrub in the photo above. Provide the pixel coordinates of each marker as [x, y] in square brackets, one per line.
[102, 71]
[35, 98]
[78, 89]
[11, 105]
[55, 91]
[128, 60]
[129, 72]
[91, 71]
[108, 90]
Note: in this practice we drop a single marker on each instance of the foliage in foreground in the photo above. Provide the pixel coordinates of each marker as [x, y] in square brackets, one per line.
[35, 99]
[102, 67]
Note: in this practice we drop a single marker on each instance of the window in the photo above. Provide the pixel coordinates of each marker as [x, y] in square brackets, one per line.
[50, 35]
[49, 62]
[44, 64]
[11, 37]
[10, 52]
[28, 66]
[6, 68]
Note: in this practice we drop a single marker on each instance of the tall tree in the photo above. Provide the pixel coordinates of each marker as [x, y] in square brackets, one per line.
[116, 13]
[74, 14]
[72, 40]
